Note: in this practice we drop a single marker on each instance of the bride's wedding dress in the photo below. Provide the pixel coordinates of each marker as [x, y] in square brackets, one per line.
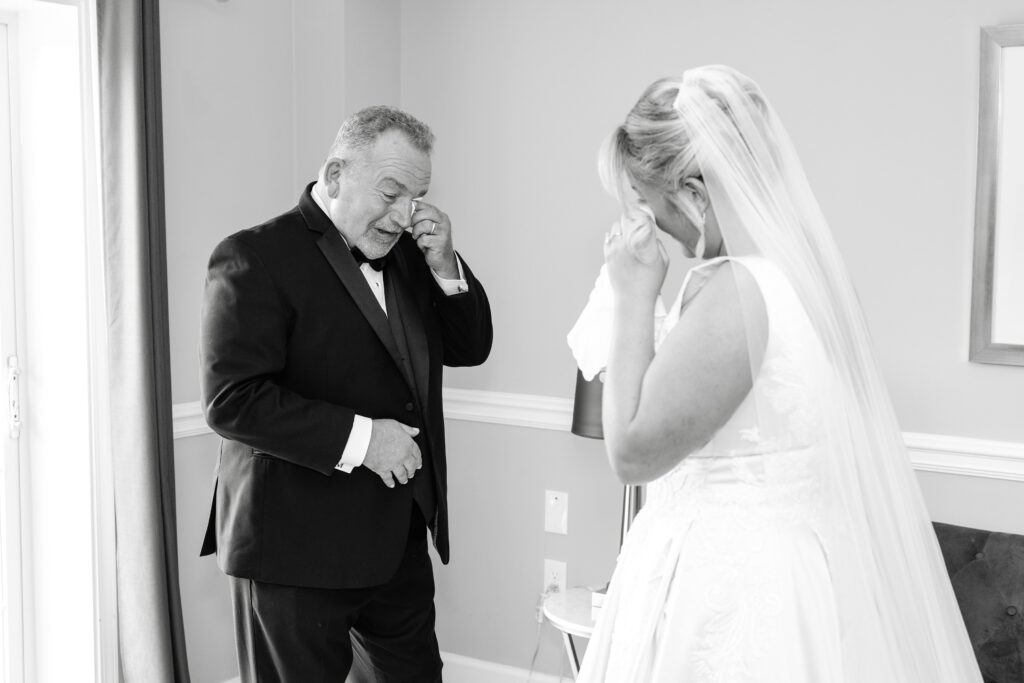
[724, 576]
[795, 546]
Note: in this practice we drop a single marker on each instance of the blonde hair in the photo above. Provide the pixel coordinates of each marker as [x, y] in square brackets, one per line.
[658, 146]
[653, 146]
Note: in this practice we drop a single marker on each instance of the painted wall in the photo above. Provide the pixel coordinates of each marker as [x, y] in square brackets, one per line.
[229, 149]
[880, 99]
[229, 162]
[346, 58]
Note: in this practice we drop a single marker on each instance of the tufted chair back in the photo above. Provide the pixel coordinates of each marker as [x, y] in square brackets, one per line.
[987, 571]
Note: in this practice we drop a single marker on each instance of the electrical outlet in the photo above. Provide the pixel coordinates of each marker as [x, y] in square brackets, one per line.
[554, 576]
[556, 512]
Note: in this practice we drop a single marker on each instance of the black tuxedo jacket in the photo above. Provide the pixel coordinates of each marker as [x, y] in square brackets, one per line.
[294, 344]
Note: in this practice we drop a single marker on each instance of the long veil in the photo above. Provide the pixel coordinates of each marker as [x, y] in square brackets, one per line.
[899, 616]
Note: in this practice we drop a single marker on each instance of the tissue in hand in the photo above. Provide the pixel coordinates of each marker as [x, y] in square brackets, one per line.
[590, 338]
[639, 231]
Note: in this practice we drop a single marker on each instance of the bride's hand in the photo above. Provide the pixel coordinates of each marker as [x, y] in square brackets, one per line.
[637, 262]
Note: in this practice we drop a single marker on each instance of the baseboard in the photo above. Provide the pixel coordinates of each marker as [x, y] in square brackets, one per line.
[928, 452]
[462, 669]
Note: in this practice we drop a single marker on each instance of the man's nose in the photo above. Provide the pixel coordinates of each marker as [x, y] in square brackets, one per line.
[401, 212]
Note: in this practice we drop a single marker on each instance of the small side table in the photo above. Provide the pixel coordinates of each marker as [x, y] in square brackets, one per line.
[571, 613]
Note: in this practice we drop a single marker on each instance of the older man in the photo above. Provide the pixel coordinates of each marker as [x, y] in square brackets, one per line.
[324, 333]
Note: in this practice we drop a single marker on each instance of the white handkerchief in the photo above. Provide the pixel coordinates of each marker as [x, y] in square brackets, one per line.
[591, 337]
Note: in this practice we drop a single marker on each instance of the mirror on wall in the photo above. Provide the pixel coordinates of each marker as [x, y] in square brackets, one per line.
[997, 305]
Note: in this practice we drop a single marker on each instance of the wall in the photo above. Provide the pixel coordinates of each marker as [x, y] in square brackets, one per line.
[229, 163]
[228, 144]
[487, 596]
[881, 101]
[346, 58]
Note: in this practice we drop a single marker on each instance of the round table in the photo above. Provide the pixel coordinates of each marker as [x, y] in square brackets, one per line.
[571, 613]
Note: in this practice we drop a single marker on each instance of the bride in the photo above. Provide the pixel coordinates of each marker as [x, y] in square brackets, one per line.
[784, 538]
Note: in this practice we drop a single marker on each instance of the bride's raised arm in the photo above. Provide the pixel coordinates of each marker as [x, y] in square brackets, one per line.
[660, 407]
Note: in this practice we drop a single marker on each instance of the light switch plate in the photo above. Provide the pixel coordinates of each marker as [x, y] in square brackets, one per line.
[556, 512]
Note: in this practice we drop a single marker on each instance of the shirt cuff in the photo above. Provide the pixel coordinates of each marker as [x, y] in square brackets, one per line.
[358, 443]
[450, 287]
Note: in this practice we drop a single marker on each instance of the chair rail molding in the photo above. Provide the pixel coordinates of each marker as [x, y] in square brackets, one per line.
[189, 420]
[928, 452]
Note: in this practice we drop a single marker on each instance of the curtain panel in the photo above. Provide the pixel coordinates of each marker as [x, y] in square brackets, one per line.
[151, 634]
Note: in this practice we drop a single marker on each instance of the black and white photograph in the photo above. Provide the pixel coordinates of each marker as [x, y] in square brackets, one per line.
[512, 341]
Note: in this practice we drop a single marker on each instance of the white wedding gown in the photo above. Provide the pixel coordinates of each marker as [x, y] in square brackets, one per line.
[724, 577]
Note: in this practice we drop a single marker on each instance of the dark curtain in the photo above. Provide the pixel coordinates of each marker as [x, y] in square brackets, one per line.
[151, 635]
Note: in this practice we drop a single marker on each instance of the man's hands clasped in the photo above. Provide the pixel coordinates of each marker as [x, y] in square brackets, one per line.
[392, 453]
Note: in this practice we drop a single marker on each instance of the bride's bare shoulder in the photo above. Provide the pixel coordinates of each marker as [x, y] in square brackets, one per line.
[732, 298]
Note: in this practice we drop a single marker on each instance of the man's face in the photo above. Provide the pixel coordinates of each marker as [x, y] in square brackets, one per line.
[370, 199]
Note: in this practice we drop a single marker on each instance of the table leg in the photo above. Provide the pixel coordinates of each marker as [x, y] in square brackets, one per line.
[570, 649]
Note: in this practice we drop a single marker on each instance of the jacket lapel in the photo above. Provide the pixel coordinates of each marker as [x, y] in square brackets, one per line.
[345, 267]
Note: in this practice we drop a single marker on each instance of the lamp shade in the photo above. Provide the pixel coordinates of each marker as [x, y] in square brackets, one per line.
[586, 408]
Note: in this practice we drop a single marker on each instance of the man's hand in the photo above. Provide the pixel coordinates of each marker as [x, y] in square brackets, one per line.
[392, 453]
[433, 234]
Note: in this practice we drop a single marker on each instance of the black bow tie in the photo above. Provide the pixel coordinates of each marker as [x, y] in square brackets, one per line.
[375, 263]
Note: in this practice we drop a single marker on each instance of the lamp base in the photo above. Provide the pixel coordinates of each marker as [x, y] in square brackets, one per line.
[632, 501]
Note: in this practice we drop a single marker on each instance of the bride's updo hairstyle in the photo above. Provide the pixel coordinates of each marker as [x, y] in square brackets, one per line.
[658, 146]
[652, 146]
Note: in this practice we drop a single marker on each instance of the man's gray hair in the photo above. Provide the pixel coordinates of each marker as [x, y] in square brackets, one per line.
[364, 127]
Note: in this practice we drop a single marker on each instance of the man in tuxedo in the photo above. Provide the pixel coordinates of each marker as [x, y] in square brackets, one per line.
[324, 332]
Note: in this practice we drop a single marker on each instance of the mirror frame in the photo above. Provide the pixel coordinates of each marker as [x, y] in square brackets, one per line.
[990, 122]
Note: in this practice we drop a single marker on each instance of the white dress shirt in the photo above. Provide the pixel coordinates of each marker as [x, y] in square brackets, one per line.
[359, 438]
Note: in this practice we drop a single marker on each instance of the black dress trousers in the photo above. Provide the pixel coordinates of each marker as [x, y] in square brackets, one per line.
[379, 634]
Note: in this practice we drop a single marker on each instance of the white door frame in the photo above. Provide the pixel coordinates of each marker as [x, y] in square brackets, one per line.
[11, 480]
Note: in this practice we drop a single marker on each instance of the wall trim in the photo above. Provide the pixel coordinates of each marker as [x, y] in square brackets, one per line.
[189, 420]
[516, 410]
[928, 452]
[966, 456]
